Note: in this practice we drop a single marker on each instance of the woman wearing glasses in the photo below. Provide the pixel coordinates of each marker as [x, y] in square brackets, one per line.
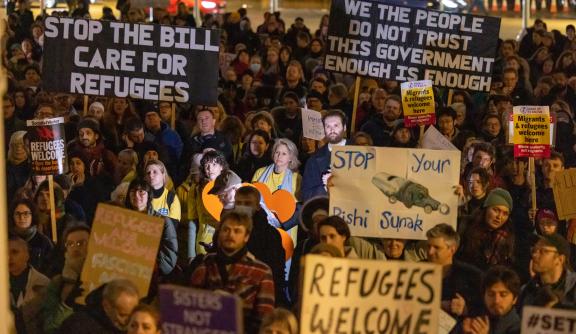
[65, 286]
[139, 198]
[23, 222]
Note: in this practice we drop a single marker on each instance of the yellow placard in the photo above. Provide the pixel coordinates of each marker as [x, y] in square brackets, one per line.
[531, 129]
[417, 98]
[123, 244]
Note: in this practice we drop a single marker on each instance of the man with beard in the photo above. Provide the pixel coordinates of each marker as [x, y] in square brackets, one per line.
[501, 287]
[381, 125]
[317, 169]
[89, 143]
[235, 270]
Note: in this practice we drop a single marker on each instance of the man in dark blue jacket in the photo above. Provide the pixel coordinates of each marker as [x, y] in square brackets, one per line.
[317, 169]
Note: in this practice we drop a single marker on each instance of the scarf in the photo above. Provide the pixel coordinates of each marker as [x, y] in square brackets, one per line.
[222, 260]
[286, 181]
[27, 234]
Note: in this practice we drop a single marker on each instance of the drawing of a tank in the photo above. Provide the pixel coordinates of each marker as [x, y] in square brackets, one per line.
[408, 192]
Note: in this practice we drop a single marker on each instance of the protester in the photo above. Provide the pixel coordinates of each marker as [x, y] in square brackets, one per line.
[283, 173]
[550, 256]
[23, 222]
[163, 201]
[114, 140]
[460, 281]
[140, 198]
[265, 242]
[64, 287]
[108, 309]
[27, 286]
[257, 155]
[279, 321]
[501, 287]
[238, 264]
[317, 171]
[144, 319]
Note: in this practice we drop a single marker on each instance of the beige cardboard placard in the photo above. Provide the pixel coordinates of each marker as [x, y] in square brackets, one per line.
[564, 187]
[123, 244]
[387, 192]
[369, 296]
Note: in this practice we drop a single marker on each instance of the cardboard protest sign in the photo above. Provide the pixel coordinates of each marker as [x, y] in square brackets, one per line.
[368, 296]
[564, 187]
[47, 146]
[434, 140]
[119, 59]
[418, 103]
[542, 320]
[383, 40]
[187, 310]
[123, 244]
[392, 192]
[531, 131]
[445, 322]
[312, 124]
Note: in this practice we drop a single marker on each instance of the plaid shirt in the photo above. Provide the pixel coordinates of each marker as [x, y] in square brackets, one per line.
[249, 279]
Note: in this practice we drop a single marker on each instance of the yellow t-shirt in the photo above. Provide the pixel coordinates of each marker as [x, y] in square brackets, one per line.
[274, 181]
[160, 205]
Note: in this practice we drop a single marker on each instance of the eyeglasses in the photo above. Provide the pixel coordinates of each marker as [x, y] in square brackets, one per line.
[72, 244]
[540, 250]
[25, 214]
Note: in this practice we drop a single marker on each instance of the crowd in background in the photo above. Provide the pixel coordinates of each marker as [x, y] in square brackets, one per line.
[156, 158]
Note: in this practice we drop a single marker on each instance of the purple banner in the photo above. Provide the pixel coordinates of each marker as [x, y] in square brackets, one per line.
[187, 310]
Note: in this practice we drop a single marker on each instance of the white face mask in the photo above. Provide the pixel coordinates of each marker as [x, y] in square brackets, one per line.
[245, 209]
[255, 67]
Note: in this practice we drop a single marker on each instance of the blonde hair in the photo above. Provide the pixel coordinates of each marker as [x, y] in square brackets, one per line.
[282, 316]
[160, 165]
[17, 138]
[292, 149]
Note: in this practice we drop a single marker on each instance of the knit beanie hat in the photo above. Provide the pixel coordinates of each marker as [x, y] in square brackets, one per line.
[498, 196]
[89, 123]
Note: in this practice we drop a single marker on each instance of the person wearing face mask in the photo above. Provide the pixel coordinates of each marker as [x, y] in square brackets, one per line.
[265, 241]
[489, 239]
[256, 66]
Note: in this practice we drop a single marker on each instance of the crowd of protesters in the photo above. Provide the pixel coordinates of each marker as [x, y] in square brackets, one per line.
[142, 156]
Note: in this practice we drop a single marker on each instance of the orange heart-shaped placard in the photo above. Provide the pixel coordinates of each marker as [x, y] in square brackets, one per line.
[211, 202]
[287, 243]
[281, 202]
